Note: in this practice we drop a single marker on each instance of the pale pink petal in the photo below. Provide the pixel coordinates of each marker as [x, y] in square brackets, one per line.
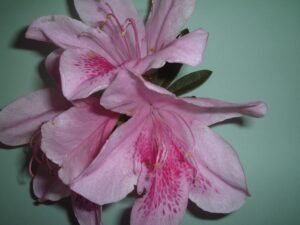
[220, 185]
[52, 64]
[186, 50]
[74, 138]
[47, 186]
[84, 72]
[124, 94]
[111, 175]
[166, 198]
[129, 93]
[22, 118]
[86, 212]
[212, 111]
[66, 32]
[61, 30]
[167, 18]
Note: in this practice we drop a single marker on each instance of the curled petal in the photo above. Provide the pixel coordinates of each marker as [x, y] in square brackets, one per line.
[86, 212]
[22, 118]
[212, 111]
[46, 184]
[52, 64]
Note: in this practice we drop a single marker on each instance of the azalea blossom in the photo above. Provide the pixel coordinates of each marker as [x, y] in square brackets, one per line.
[112, 38]
[20, 123]
[168, 152]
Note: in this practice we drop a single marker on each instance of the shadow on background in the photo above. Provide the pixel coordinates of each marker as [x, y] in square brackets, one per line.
[41, 48]
[199, 213]
[239, 121]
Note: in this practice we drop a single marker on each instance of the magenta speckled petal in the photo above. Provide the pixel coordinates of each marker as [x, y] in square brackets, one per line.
[84, 72]
[177, 156]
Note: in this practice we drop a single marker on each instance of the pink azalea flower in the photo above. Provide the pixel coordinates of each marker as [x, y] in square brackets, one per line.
[113, 37]
[167, 150]
[20, 123]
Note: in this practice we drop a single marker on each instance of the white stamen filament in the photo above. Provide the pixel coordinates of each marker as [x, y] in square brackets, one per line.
[131, 22]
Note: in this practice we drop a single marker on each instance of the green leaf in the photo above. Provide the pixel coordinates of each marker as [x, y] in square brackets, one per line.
[189, 82]
[168, 73]
[165, 75]
[183, 32]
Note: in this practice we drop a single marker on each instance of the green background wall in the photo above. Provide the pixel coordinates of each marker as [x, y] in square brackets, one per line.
[254, 52]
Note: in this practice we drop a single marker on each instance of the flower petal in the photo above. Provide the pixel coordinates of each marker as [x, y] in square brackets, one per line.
[114, 164]
[22, 118]
[129, 93]
[66, 33]
[166, 20]
[61, 30]
[47, 186]
[86, 212]
[212, 111]
[166, 199]
[52, 64]
[83, 73]
[74, 138]
[220, 185]
[188, 49]
[116, 13]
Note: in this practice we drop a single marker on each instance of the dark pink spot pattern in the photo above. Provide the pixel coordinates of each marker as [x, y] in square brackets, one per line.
[168, 179]
[93, 65]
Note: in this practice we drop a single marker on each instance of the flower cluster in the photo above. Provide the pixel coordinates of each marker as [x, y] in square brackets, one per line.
[105, 130]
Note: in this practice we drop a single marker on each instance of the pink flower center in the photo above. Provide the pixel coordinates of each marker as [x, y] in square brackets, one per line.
[167, 171]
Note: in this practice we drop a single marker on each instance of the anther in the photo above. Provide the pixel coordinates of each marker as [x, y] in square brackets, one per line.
[101, 25]
[152, 50]
[188, 155]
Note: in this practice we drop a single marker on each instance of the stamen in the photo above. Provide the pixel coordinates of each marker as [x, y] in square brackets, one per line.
[188, 155]
[101, 25]
[131, 22]
[30, 171]
[119, 25]
[152, 50]
[94, 39]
